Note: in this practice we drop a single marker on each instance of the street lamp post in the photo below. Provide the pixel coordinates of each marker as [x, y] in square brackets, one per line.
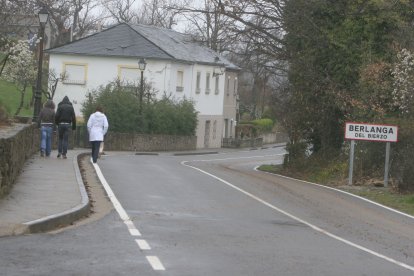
[141, 65]
[43, 17]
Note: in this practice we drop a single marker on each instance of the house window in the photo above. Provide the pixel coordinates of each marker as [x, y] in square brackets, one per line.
[235, 87]
[216, 88]
[198, 82]
[129, 75]
[214, 129]
[76, 73]
[207, 83]
[228, 86]
[180, 81]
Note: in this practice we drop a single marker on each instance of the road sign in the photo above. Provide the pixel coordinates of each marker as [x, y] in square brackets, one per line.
[371, 132]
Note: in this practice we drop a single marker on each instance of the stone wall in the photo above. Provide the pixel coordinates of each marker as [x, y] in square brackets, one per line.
[263, 139]
[275, 137]
[17, 143]
[242, 143]
[144, 142]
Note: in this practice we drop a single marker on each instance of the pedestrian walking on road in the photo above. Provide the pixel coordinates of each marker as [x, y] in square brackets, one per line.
[64, 119]
[46, 123]
[97, 128]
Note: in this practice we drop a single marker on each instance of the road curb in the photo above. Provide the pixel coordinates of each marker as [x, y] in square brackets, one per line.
[195, 153]
[67, 217]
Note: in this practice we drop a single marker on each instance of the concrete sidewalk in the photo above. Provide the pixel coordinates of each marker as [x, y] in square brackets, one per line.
[48, 193]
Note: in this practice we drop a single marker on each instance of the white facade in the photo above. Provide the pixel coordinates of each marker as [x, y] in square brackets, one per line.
[230, 104]
[193, 81]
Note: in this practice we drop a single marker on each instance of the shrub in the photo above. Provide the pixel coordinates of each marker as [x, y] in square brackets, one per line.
[168, 116]
[263, 125]
[369, 159]
[249, 129]
[122, 107]
[402, 152]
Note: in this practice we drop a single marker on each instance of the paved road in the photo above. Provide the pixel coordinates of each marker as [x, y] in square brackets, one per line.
[216, 215]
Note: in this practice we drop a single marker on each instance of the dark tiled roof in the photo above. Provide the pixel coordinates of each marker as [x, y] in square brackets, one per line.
[120, 40]
[143, 41]
[176, 44]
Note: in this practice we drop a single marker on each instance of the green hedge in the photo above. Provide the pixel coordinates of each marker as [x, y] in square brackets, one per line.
[122, 107]
[263, 125]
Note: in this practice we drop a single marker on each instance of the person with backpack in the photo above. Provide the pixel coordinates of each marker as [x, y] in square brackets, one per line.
[65, 119]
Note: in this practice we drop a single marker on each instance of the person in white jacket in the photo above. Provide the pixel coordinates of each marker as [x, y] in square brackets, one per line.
[97, 128]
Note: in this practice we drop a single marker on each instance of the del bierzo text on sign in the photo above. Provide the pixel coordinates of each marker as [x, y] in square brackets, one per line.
[370, 132]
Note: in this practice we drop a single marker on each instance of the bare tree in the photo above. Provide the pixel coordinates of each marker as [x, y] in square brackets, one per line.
[125, 11]
[53, 82]
[207, 25]
[16, 17]
[87, 17]
[260, 22]
[66, 15]
[149, 12]
[162, 13]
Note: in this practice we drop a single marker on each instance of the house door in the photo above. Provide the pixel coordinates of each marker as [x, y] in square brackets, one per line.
[207, 135]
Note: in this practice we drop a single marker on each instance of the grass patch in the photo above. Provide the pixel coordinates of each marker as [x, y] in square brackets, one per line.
[385, 196]
[10, 99]
[270, 168]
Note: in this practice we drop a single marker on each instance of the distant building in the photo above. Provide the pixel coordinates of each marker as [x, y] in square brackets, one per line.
[175, 66]
[25, 27]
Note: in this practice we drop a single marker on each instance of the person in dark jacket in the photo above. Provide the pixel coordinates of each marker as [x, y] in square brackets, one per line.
[64, 119]
[46, 123]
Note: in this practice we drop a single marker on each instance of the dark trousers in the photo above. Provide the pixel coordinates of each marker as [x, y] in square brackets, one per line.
[63, 131]
[95, 150]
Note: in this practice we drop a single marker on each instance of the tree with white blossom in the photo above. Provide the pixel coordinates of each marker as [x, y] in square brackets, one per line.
[403, 75]
[20, 69]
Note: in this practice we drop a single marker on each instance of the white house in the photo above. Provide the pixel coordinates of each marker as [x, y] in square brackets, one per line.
[175, 66]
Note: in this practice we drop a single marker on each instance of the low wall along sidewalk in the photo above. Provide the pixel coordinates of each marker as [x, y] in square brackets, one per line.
[17, 143]
[20, 141]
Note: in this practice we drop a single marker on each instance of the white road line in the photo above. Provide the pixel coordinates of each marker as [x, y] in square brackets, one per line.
[316, 228]
[118, 207]
[134, 232]
[143, 245]
[325, 187]
[344, 192]
[232, 158]
[155, 263]
[132, 229]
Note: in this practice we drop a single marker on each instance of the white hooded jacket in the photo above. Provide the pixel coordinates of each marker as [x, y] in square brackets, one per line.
[97, 126]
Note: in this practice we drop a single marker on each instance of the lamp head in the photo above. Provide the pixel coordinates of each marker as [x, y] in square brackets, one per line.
[142, 64]
[43, 16]
[219, 69]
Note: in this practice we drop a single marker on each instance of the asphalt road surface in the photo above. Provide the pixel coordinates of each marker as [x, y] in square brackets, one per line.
[217, 215]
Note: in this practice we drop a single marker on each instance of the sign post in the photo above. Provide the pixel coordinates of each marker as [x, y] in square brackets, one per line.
[387, 162]
[370, 132]
[351, 162]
